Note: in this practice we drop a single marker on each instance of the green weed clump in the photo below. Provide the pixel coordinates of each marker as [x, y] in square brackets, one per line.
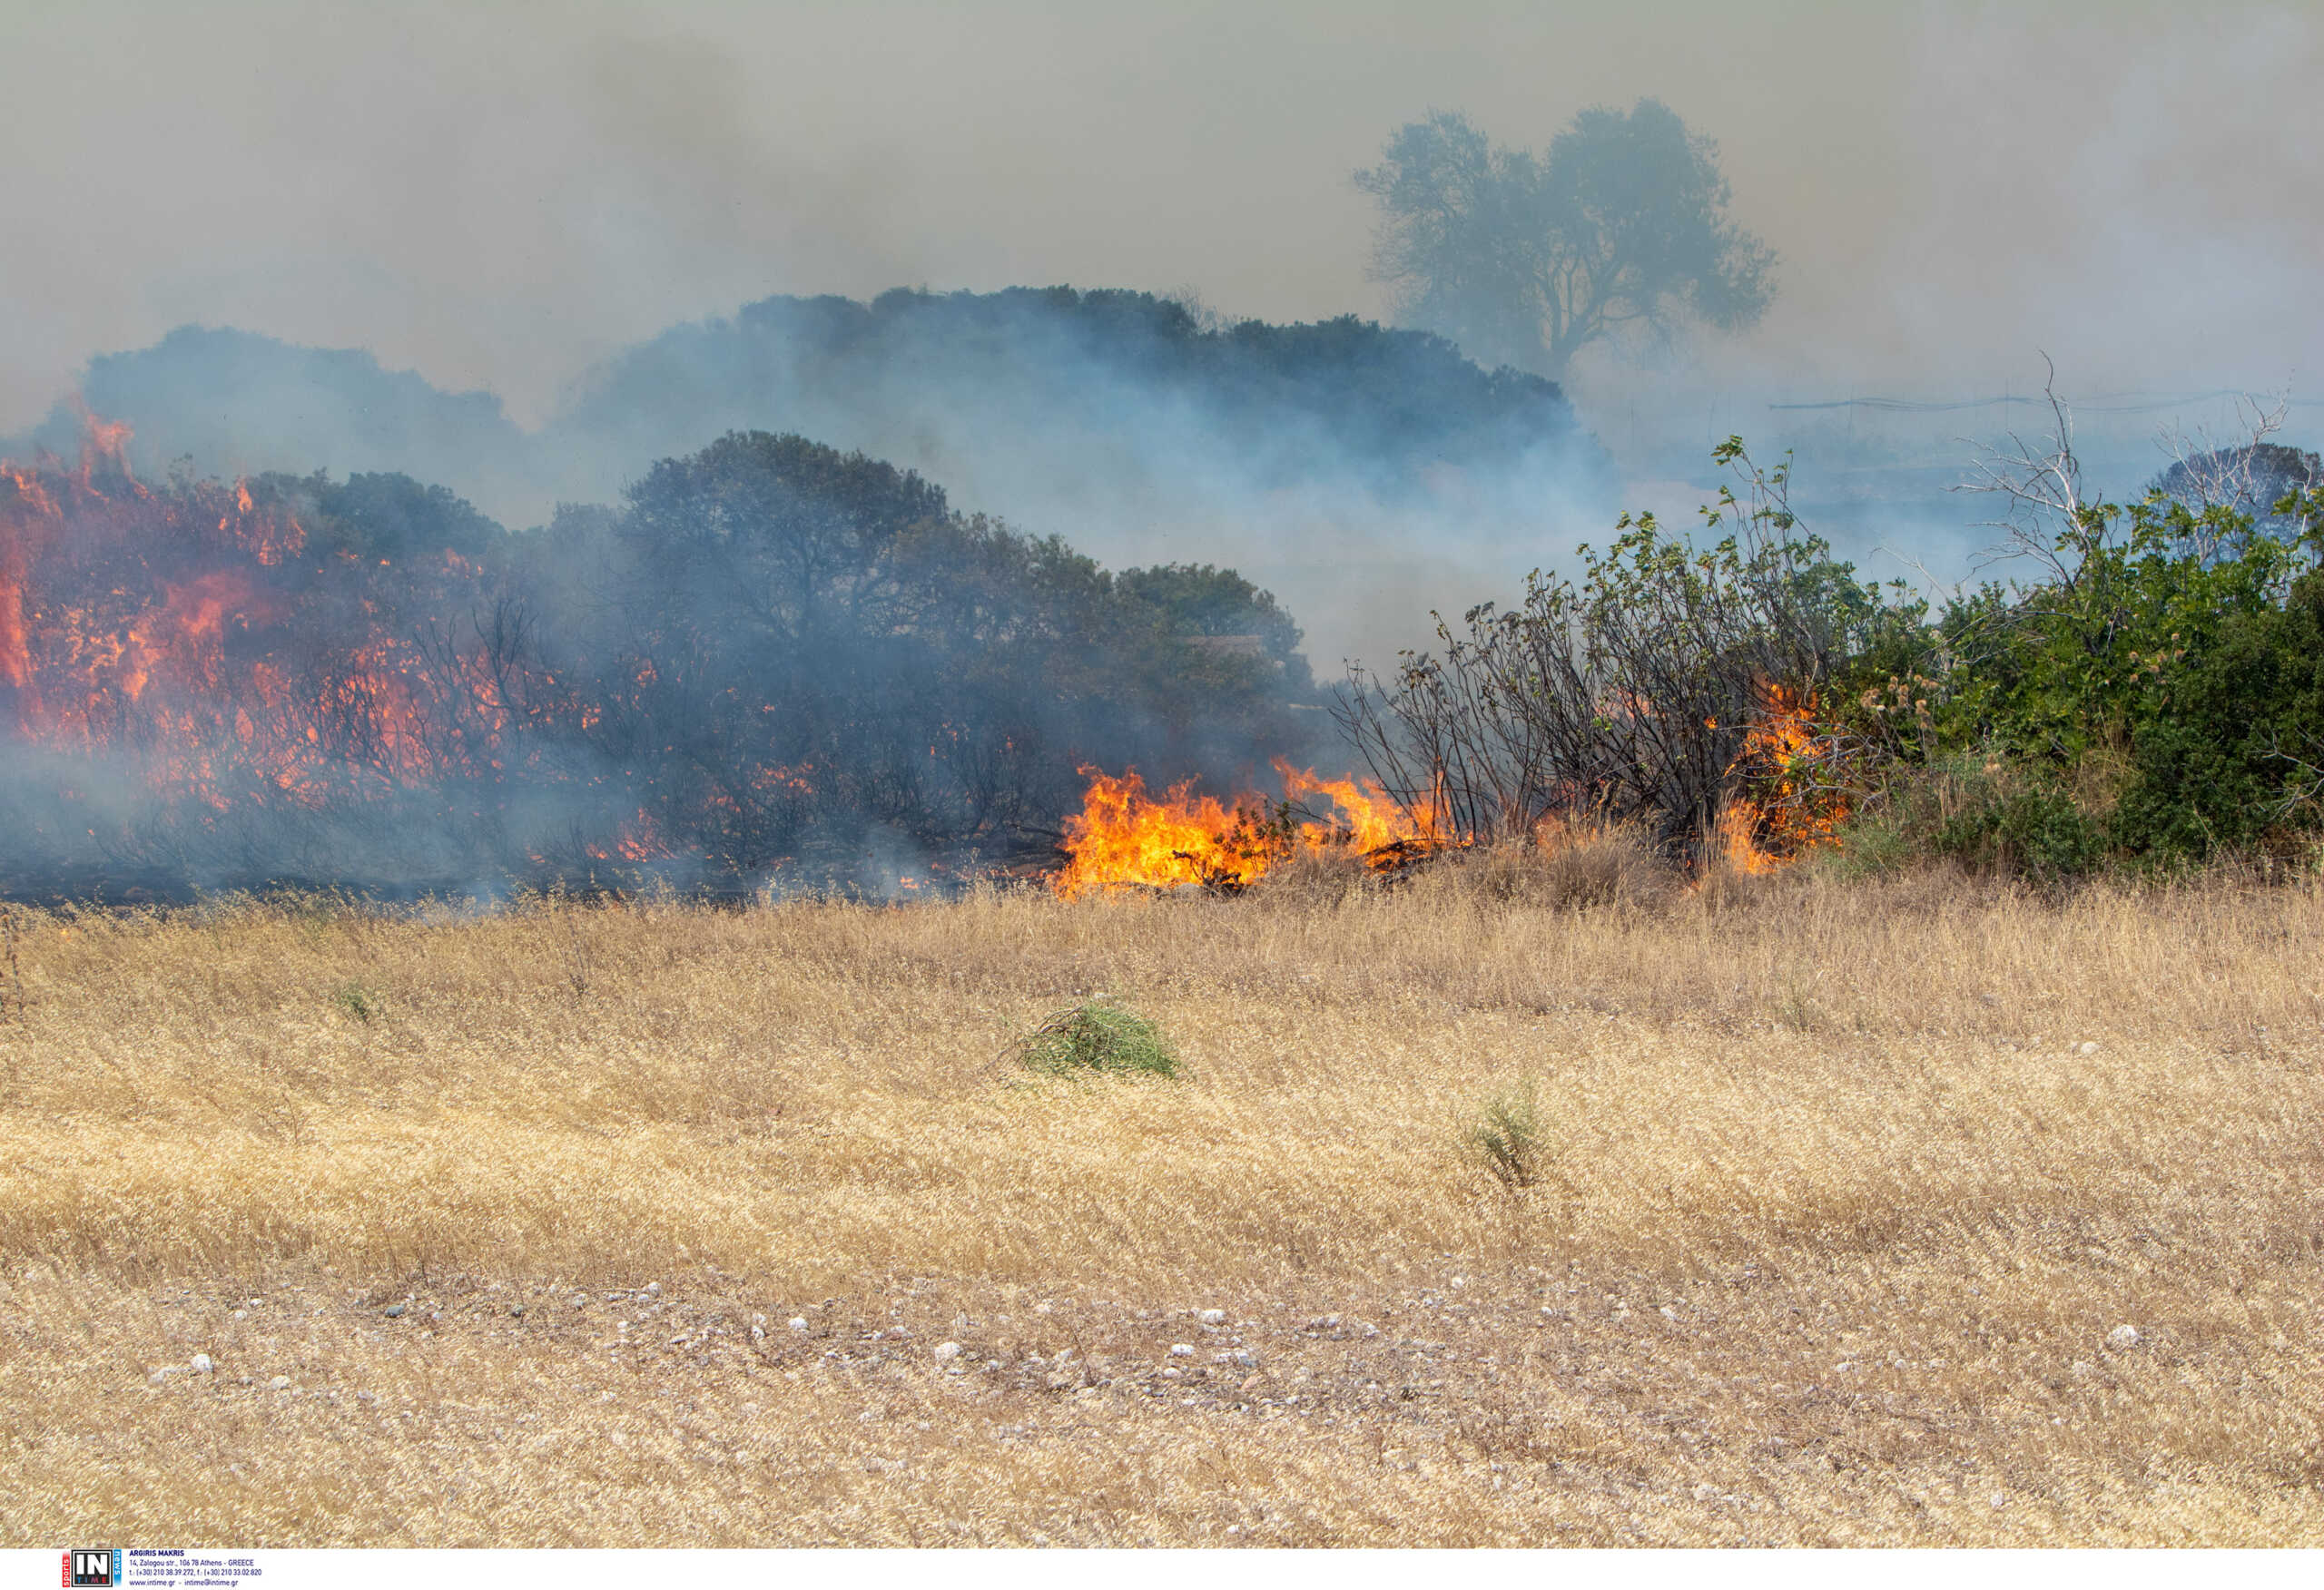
[1098, 1035]
[1506, 1140]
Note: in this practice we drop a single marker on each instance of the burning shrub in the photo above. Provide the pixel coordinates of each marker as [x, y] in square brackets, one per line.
[1098, 1035]
[1648, 693]
[774, 651]
[1123, 838]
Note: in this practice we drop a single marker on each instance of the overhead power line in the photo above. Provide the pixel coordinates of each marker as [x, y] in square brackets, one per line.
[2141, 403]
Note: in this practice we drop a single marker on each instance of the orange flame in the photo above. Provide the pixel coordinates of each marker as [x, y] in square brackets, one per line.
[1786, 813]
[1123, 838]
[151, 624]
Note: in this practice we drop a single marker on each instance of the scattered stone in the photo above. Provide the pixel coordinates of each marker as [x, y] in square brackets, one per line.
[279, 1383]
[164, 1372]
[516, 1310]
[1668, 1313]
[2123, 1337]
[946, 1350]
[201, 1364]
[1182, 1349]
[798, 1324]
[758, 1333]
[1213, 1316]
[395, 1311]
[2087, 1048]
[653, 1289]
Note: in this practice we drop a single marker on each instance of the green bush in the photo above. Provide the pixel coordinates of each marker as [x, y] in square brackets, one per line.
[2034, 833]
[359, 1002]
[1098, 1034]
[1506, 1140]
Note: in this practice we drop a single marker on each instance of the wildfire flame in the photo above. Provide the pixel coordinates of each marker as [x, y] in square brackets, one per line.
[1123, 838]
[159, 627]
[1787, 812]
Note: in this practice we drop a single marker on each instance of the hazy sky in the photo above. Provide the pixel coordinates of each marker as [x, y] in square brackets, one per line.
[498, 194]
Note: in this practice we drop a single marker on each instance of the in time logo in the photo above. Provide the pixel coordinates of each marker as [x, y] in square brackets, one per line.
[91, 1566]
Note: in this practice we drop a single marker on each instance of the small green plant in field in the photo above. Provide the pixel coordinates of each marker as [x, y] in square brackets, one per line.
[1506, 1139]
[359, 1002]
[1098, 1034]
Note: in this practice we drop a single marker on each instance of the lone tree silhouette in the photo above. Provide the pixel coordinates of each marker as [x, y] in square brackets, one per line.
[1526, 258]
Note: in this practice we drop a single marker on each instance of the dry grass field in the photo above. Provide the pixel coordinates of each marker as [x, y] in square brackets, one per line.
[1844, 1187]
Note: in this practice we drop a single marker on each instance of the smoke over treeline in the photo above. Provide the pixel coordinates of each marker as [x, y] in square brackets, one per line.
[258, 631]
[1362, 474]
[767, 660]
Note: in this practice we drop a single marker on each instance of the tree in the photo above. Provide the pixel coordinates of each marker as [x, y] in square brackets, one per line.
[1525, 260]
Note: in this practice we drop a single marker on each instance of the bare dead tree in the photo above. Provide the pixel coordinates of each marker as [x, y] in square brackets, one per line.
[2046, 513]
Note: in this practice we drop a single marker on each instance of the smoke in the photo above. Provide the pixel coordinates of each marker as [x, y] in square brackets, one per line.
[502, 195]
[1364, 477]
[537, 228]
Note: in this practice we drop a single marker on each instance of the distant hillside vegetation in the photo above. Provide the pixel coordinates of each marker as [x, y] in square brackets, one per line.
[1284, 403]
[241, 403]
[1051, 404]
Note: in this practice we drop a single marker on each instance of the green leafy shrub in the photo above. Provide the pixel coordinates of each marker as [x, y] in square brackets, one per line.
[1098, 1035]
[2037, 833]
[359, 1002]
[1505, 1141]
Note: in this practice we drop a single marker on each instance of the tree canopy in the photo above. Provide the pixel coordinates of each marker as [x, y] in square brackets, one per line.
[1524, 259]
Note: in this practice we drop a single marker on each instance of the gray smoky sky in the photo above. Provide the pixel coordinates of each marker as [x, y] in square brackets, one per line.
[498, 195]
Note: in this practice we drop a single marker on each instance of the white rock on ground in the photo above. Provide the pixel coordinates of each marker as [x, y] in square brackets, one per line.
[2123, 1337]
[947, 1349]
[1181, 1349]
[281, 1383]
[201, 1364]
[1213, 1316]
[797, 1323]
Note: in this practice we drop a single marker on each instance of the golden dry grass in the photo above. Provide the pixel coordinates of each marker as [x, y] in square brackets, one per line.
[1847, 1187]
